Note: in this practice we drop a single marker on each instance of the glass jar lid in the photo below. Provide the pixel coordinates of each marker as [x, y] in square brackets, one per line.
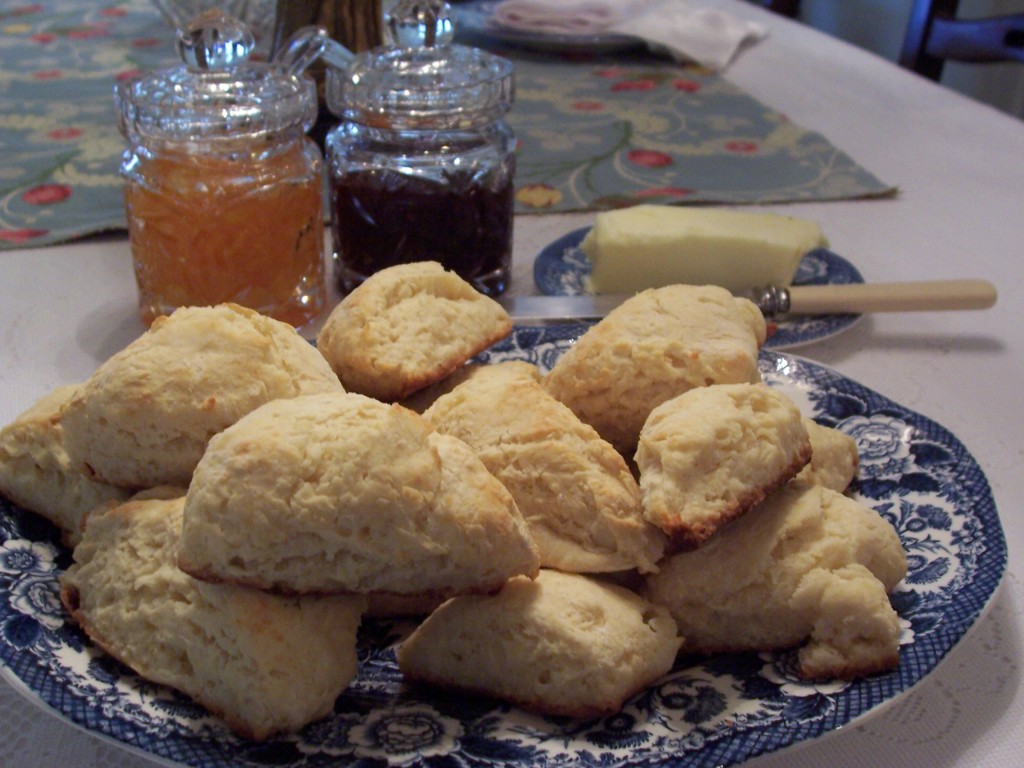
[422, 80]
[217, 93]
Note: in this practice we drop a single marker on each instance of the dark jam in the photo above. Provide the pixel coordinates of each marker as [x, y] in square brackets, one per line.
[384, 217]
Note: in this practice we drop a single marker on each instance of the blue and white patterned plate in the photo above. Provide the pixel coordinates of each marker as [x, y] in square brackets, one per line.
[719, 711]
[476, 19]
[562, 269]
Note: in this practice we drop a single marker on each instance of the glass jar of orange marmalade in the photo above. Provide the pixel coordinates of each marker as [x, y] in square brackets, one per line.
[223, 188]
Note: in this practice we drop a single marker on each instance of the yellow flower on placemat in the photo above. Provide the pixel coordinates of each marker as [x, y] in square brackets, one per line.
[539, 195]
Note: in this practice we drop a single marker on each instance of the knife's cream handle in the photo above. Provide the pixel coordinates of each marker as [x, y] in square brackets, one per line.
[891, 297]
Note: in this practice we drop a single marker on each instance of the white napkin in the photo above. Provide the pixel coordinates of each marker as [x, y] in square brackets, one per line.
[707, 36]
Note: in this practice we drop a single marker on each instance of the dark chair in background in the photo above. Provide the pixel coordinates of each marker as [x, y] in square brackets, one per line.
[785, 7]
[935, 35]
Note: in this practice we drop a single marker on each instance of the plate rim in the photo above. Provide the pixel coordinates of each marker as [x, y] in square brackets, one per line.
[607, 42]
[793, 740]
[789, 333]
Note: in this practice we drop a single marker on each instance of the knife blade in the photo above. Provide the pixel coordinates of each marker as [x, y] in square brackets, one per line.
[856, 298]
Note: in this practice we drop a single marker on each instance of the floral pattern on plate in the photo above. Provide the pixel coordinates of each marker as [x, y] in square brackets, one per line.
[717, 711]
[562, 269]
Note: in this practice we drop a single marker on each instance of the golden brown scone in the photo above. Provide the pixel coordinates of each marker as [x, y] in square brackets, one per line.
[265, 663]
[834, 457]
[654, 346]
[808, 564]
[578, 497]
[406, 327]
[422, 399]
[144, 417]
[36, 474]
[710, 454]
[343, 493]
[564, 644]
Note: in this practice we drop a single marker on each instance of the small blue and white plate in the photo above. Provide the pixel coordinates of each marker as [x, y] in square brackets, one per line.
[719, 711]
[562, 269]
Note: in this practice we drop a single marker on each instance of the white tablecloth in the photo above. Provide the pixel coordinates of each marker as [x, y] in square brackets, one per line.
[960, 212]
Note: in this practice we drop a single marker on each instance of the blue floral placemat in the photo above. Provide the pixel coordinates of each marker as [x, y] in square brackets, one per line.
[648, 130]
[643, 129]
[59, 143]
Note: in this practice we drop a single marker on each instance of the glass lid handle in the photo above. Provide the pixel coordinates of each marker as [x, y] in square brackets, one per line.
[301, 50]
[214, 41]
[419, 23]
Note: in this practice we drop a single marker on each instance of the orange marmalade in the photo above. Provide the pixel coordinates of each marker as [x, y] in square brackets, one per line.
[244, 227]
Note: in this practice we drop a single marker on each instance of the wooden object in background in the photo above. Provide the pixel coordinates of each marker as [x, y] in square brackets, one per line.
[356, 24]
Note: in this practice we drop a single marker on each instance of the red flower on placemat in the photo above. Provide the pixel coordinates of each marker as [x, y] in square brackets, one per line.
[649, 158]
[646, 84]
[611, 72]
[588, 106]
[742, 147]
[88, 32]
[21, 235]
[115, 12]
[48, 74]
[46, 194]
[145, 42]
[689, 86]
[64, 134]
[43, 37]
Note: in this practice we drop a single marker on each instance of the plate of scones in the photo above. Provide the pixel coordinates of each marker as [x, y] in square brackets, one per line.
[437, 538]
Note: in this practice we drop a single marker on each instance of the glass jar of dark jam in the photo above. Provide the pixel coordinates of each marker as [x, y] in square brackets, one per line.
[421, 165]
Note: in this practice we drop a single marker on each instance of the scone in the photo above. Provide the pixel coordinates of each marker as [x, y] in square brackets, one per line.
[406, 327]
[710, 454]
[654, 346]
[36, 474]
[578, 497]
[834, 457]
[422, 399]
[343, 493]
[144, 417]
[267, 664]
[808, 565]
[564, 644]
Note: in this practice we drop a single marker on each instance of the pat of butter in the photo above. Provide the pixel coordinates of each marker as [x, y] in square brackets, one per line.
[649, 246]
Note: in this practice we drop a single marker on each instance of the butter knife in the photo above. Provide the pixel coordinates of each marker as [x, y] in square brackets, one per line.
[855, 298]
